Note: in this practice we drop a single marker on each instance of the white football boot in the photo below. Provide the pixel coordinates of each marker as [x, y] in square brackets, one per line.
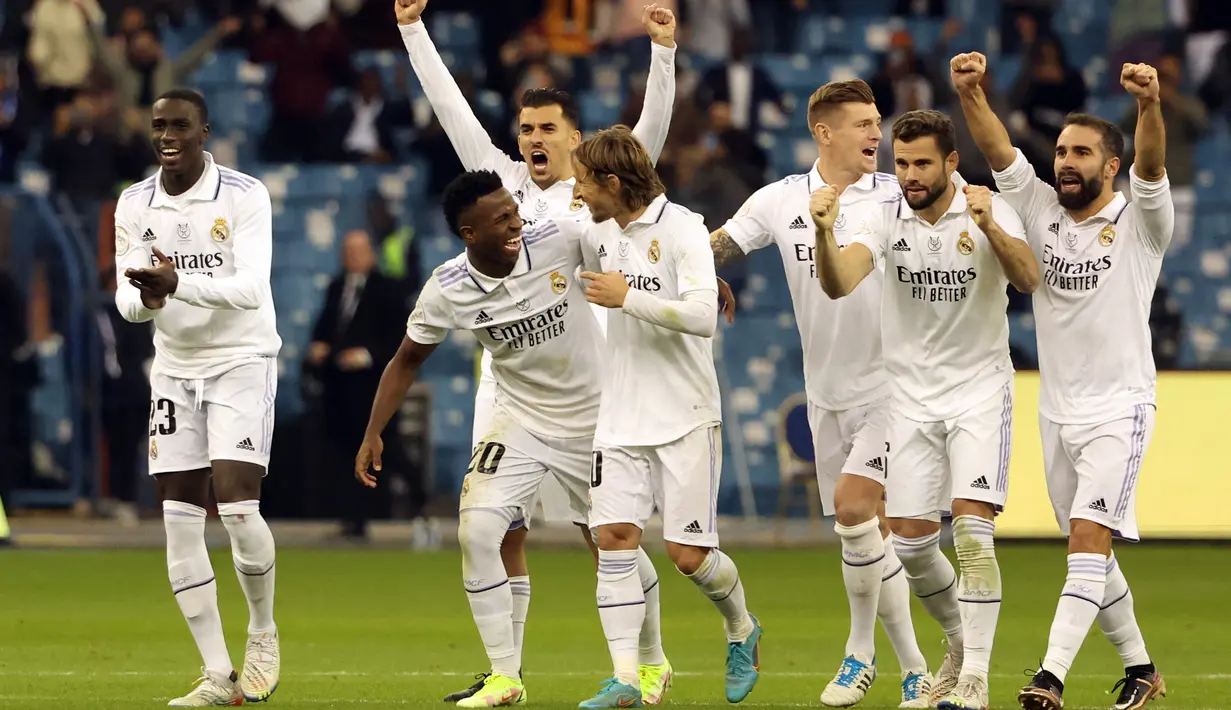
[970, 694]
[851, 683]
[946, 677]
[916, 689]
[213, 690]
[262, 665]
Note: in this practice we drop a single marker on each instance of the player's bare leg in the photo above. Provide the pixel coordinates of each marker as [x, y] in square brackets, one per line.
[480, 534]
[237, 485]
[875, 586]
[934, 582]
[1081, 601]
[979, 595]
[184, 496]
[717, 577]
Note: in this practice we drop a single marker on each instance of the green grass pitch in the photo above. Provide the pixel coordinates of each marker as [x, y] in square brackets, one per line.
[386, 629]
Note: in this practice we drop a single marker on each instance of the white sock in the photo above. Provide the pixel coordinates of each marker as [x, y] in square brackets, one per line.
[863, 556]
[252, 550]
[718, 579]
[192, 581]
[480, 533]
[979, 590]
[1117, 620]
[931, 577]
[1075, 613]
[651, 641]
[893, 609]
[621, 608]
[520, 587]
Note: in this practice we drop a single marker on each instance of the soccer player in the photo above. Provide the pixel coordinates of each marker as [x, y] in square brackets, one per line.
[542, 185]
[1101, 258]
[193, 246]
[658, 439]
[517, 292]
[844, 376]
[948, 253]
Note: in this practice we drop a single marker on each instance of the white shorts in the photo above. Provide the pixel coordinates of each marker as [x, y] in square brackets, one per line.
[509, 464]
[935, 463]
[680, 477]
[850, 441]
[228, 417]
[1092, 469]
[554, 499]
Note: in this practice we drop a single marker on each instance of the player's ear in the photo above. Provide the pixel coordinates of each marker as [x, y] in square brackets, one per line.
[1112, 168]
[575, 139]
[821, 133]
[204, 132]
[951, 162]
[467, 234]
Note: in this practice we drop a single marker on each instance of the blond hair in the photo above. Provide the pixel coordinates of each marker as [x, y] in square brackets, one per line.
[617, 152]
[833, 95]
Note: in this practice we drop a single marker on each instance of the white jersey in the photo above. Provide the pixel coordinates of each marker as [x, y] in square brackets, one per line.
[220, 235]
[476, 151]
[546, 351]
[944, 322]
[842, 338]
[1092, 310]
[660, 383]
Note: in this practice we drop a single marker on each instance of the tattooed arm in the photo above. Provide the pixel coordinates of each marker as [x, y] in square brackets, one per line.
[724, 247]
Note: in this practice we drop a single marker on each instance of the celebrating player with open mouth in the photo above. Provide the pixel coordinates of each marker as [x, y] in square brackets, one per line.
[844, 377]
[1101, 258]
[542, 185]
[949, 253]
[213, 382]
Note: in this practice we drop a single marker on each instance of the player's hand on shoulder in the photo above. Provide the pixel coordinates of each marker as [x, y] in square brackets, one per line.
[659, 24]
[1140, 80]
[967, 70]
[824, 207]
[607, 289]
[408, 11]
[979, 204]
[367, 459]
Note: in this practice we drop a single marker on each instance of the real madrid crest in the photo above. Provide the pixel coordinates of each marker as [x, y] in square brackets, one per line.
[1107, 236]
[465, 486]
[965, 245]
[655, 252]
[558, 284]
[576, 205]
[153, 449]
[220, 232]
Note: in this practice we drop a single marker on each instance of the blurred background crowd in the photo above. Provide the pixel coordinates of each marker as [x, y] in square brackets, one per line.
[316, 98]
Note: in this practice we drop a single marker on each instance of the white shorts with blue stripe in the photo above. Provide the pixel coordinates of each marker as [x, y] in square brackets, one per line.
[931, 464]
[1092, 469]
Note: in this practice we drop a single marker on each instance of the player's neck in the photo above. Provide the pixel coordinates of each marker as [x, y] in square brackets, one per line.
[625, 218]
[933, 212]
[175, 184]
[837, 178]
[1081, 215]
[547, 182]
[489, 268]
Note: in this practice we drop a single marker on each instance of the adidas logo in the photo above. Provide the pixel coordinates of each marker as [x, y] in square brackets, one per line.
[602, 250]
[483, 318]
[149, 236]
[1100, 505]
[901, 245]
[694, 528]
[1054, 228]
[981, 482]
[876, 464]
[799, 223]
[246, 445]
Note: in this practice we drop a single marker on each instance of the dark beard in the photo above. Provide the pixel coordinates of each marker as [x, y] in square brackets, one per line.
[934, 193]
[1090, 190]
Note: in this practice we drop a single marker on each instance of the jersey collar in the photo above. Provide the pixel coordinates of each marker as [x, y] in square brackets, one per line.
[206, 189]
[867, 183]
[958, 206]
[1112, 210]
[653, 213]
[486, 283]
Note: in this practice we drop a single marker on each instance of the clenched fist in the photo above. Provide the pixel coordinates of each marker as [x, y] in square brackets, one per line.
[659, 24]
[979, 204]
[824, 207]
[408, 11]
[1140, 80]
[967, 70]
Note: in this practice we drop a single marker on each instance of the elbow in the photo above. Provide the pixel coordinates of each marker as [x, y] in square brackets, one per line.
[1028, 283]
[834, 290]
[707, 328]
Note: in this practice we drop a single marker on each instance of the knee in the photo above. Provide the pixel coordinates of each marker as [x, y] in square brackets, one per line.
[237, 481]
[686, 558]
[621, 536]
[1089, 536]
[856, 500]
[481, 531]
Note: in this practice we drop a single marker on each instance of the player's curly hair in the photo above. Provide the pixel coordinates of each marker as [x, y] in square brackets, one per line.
[464, 191]
[616, 152]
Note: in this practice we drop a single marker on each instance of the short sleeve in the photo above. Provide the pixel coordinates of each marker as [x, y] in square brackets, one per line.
[429, 322]
[695, 269]
[1154, 209]
[1007, 218]
[873, 232]
[1021, 187]
[750, 226]
[572, 237]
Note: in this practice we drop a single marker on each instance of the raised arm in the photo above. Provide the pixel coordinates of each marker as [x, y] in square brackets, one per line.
[1007, 236]
[470, 140]
[839, 270]
[253, 240]
[655, 120]
[966, 71]
[1150, 139]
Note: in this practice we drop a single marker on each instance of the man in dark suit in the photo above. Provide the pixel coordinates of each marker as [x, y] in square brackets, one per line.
[359, 330]
[741, 85]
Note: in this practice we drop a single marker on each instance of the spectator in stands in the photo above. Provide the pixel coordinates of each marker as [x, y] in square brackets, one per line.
[363, 126]
[59, 50]
[741, 84]
[1048, 89]
[399, 252]
[16, 118]
[309, 62]
[617, 26]
[1166, 320]
[18, 377]
[1185, 121]
[1215, 91]
[713, 27]
[351, 342]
